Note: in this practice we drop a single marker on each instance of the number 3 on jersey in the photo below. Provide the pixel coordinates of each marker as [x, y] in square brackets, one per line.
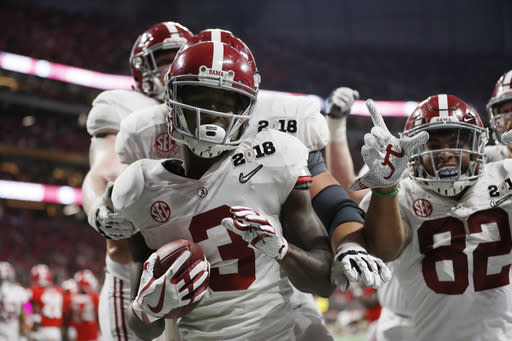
[238, 250]
[496, 220]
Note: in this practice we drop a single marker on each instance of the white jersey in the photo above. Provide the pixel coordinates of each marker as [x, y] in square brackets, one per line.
[248, 295]
[110, 107]
[455, 271]
[12, 298]
[496, 152]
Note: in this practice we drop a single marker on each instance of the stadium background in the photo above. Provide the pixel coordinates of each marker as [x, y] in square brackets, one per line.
[395, 50]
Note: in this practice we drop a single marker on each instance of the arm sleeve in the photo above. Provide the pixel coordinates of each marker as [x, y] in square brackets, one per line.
[316, 163]
[334, 207]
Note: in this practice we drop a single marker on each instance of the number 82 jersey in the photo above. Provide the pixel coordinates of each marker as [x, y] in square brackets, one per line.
[456, 269]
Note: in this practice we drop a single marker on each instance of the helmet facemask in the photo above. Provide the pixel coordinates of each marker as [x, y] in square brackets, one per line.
[205, 131]
[500, 122]
[451, 160]
[152, 69]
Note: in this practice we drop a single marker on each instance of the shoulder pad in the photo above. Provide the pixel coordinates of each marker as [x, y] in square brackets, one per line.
[111, 106]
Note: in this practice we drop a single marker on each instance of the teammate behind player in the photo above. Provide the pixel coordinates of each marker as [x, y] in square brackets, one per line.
[151, 55]
[499, 109]
[452, 249]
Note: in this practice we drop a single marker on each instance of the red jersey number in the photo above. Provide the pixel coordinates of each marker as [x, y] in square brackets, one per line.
[455, 251]
[238, 250]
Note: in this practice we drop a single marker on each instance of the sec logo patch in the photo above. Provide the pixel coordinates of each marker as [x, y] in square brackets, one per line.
[160, 211]
[422, 208]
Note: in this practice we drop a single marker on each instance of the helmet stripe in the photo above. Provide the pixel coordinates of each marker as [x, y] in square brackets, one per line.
[171, 27]
[443, 104]
[507, 79]
[216, 35]
[218, 56]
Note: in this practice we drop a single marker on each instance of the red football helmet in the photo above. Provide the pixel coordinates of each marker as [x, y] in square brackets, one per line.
[143, 59]
[456, 133]
[210, 65]
[41, 276]
[86, 281]
[499, 120]
[226, 37]
[7, 272]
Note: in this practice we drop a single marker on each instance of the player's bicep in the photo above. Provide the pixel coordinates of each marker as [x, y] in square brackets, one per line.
[301, 226]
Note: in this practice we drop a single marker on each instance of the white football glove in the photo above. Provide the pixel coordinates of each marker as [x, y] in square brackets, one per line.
[352, 263]
[157, 297]
[385, 155]
[506, 137]
[340, 101]
[108, 223]
[257, 231]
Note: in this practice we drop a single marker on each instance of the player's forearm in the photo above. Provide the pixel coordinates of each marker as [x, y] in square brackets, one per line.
[383, 230]
[340, 165]
[309, 271]
[92, 189]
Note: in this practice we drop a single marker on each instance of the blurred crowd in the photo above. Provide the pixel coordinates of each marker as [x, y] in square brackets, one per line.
[67, 243]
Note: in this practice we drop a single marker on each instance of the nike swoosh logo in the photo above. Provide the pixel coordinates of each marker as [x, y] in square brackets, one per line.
[157, 308]
[244, 178]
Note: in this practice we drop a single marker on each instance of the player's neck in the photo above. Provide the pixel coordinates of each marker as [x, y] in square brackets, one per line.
[195, 167]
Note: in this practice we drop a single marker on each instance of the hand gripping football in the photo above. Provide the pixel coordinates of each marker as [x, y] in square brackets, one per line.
[189, 278]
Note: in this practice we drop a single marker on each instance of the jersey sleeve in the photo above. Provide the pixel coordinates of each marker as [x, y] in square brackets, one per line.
[104, 115]
[292, 161]
[128, 147]
[110, 107]
[315, 132]
[128, 189]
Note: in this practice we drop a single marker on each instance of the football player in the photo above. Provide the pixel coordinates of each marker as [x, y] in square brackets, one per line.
[499, 109]
[82, 315]
[12, 298]
[394, 323]
[48, 305]
[242, 200]
[451, 249]
[151, 55]
[142, 133]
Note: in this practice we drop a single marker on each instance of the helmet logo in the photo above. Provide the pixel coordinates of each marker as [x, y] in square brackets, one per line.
[422, 208]
[444, 119]
[160, 211]
[206, 72]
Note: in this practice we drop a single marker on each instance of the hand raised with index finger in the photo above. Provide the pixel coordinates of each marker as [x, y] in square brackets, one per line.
[385, 155]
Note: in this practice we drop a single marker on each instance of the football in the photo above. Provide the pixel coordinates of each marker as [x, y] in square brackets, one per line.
[167, 254]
